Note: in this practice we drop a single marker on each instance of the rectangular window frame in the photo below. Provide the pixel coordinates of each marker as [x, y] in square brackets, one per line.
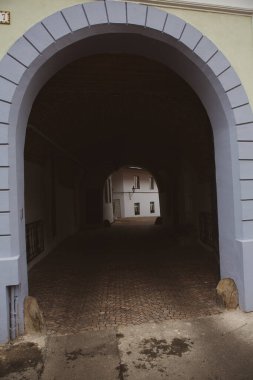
[137, 182]
[151, 183]
[137, 208]
[152, 207]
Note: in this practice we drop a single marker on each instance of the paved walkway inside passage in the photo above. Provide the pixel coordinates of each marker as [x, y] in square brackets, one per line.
[123, 275]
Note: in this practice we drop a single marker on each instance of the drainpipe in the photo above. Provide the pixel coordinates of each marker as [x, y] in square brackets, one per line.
[13, 302]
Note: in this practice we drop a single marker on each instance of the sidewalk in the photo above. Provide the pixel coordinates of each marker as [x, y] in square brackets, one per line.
[218, 347]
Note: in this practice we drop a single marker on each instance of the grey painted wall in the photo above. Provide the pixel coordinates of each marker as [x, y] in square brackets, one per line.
[138, 29]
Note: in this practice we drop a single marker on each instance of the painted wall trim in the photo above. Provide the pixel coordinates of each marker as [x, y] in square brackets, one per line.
[241, 8]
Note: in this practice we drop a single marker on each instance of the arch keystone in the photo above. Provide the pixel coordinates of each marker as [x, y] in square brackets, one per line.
[75, 17]
[136, 14]
[96, 13]
[116, 12]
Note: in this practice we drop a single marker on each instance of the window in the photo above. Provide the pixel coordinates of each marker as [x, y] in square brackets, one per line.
[152, 207]
[136, 182]
[151, 183]
[136, 208]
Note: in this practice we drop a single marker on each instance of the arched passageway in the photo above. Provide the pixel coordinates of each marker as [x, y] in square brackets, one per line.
[121, 108]
[128, 29]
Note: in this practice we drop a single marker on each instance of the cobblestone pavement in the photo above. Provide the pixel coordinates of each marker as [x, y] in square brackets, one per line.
[126, 274]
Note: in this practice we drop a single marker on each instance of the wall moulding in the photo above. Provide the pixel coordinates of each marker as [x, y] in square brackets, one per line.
[244, 8]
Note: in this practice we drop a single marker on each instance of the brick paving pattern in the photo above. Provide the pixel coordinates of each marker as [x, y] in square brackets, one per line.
[126, 274]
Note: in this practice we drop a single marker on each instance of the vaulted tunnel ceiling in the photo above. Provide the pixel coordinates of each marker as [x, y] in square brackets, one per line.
[119, 109]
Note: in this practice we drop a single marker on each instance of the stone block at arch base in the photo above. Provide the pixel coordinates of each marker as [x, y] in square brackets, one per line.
[202, 66]
[34, 320]
[227, 293]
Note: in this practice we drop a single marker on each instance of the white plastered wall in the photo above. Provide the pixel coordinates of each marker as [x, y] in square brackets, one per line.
[122, 189]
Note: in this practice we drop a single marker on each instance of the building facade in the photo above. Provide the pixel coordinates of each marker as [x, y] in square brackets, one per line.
[202, 47]
[135, 194]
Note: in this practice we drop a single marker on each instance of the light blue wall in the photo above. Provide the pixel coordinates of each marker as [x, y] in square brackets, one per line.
[134, 29]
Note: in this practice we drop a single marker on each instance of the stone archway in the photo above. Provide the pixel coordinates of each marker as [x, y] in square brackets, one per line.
[125, 27]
